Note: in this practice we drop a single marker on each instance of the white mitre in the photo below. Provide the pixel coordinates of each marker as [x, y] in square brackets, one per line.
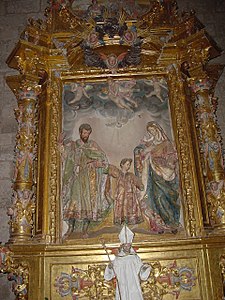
[126, 235]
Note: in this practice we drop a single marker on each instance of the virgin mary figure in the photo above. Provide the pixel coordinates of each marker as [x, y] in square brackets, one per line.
[156, 164]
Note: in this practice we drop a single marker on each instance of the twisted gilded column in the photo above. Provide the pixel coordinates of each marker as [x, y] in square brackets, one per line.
[23, 200]
[210, 147]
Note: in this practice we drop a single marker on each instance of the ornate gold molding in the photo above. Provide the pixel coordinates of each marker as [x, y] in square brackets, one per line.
[18, 273]
[47, 47]
[193, 218]
[90, 284]
[55, 164]
[211, 151]
[49, 57]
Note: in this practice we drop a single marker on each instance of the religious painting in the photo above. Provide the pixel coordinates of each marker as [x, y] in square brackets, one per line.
[119, 161]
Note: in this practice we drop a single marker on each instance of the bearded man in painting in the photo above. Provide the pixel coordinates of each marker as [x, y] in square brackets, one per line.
[84, 181]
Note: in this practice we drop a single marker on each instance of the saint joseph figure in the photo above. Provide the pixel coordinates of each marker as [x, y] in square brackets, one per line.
[84, 181]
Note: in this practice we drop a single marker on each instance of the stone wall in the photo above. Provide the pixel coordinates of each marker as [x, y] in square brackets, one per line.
[13, 18]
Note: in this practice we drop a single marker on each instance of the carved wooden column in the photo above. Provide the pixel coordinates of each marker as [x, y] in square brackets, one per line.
[23, 200]
[210, 147]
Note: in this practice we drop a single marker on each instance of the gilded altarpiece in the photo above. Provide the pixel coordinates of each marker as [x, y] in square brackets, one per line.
[116, 125]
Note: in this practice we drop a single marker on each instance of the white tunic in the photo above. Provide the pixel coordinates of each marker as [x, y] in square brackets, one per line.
[129, 271]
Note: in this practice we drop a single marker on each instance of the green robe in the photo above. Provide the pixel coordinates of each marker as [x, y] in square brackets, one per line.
[84, 181]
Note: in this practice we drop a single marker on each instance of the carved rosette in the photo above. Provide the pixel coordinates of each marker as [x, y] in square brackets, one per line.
[211, 151]
[18, 273]
[23, 201]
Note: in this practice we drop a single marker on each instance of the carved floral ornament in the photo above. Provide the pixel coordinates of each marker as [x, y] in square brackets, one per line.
[108, 36]
[111, 43]
[210, 145]
[23, 198]
[18, 273]
[90, 284]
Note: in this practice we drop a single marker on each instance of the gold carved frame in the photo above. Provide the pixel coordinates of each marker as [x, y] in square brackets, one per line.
[47, 56]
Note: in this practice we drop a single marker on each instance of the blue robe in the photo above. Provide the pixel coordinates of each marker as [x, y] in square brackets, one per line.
[161, 196]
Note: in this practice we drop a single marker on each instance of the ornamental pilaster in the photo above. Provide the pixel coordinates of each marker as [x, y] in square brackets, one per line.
[211, 151]
[23, 199]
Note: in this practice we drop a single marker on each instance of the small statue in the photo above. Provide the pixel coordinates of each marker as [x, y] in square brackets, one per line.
[127, 268]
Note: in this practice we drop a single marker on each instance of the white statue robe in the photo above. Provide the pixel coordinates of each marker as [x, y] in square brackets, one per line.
[129, 270]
